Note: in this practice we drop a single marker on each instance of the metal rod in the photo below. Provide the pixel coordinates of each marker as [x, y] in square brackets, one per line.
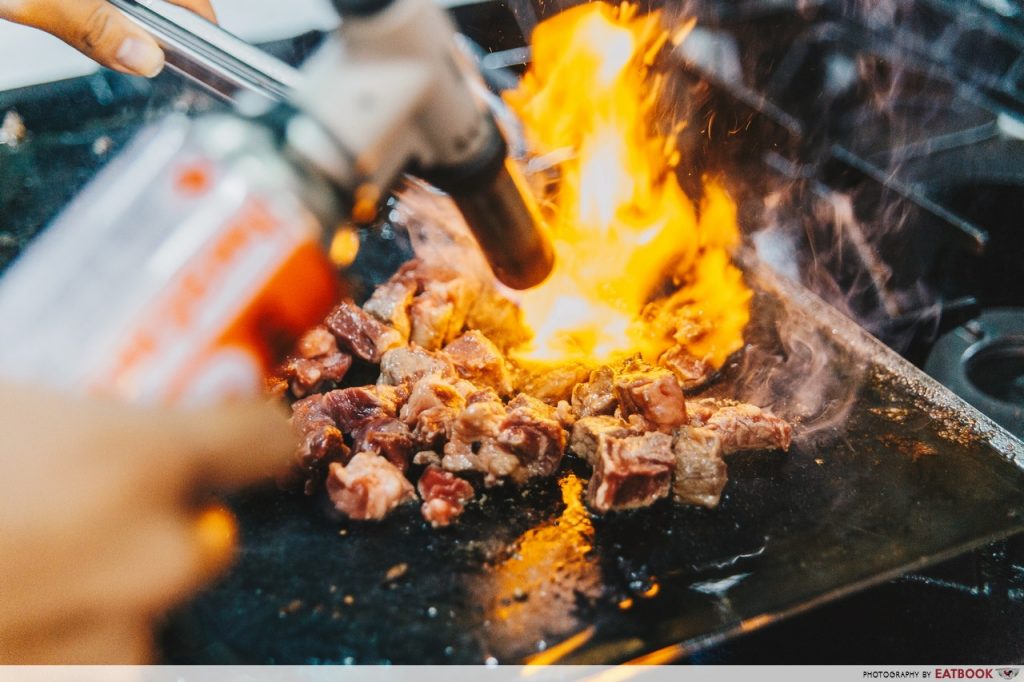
[209, 55]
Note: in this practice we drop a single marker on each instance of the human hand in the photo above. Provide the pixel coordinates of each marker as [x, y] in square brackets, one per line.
[98, 30]
[100, 529]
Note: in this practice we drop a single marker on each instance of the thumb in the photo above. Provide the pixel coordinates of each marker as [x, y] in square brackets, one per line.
[97, 29]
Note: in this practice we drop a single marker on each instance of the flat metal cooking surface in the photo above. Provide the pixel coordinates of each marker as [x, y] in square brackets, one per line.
[889, 472]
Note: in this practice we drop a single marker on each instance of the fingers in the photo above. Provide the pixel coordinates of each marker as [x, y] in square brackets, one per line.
[140, 568]
[95, 28]
[223, 447]
[110, 641]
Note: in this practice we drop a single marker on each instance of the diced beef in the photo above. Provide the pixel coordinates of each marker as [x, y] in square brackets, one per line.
[411, 364]
[741, 426]
[532, 433]
[653, 394]
[596, 396]
[368, 487]
[551, 383]
[387, 437]
[320, 440]
[353, 407]
[361, 334]
[474, 442]
[691, 372]
[390, 304]
[315, 375]
[318, 342]
[700, 473]
[587, 431]
[498, 318]
[478, 360]
[630, 472]
[317, 366]
[430, 412]
[444, 496]
[438, 315]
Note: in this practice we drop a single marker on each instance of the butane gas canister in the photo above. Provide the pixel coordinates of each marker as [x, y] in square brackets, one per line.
[180, 275]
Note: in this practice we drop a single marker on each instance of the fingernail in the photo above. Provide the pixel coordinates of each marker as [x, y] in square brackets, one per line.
[141, 57]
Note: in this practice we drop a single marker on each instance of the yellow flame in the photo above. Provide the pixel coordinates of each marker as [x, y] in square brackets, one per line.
[621, 223]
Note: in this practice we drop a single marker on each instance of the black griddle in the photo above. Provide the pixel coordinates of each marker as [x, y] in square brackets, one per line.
[890, 472]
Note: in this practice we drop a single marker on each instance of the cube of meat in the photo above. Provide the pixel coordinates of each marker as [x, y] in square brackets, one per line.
[532, 433]
[630, 472]
[498, 318]
[431, 410]
[587, 431]
[474, 442]
[368, 487]
[360, 334]
[653, 394]
[353, 407]
[390, 303]
[691, 372]
[551, 383]
[315, 375]
[387, 437]
[741, 426]
[700, 473]
[478, 360]
[320, 441]
[317, 366]
[438, 314]
[444, 496]
[596, 396]
[411, 364]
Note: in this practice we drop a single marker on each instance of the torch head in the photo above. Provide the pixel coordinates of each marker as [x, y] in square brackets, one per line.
[396, 95]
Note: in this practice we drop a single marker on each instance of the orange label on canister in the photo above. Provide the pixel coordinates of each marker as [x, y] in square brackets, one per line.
[231, 313]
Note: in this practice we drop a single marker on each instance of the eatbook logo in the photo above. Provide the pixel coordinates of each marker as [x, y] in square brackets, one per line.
[1008, 673]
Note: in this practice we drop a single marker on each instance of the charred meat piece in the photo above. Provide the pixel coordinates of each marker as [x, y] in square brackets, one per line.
[691, 372]
[596, 396]
[532, 433]
[474, 442]
[551, 383]
[438, 315]
[353, 407]
[498, 318]
[411, 364]
[387, 437]
[390, 304]
[700, 473]
[320, 441]
[741, 426]
[630, 472]
[368, 487]
[430, 412]
[317, 366]
[444, 496]
[586, 433]
[360, 334]
[479, 361]
[653, 394]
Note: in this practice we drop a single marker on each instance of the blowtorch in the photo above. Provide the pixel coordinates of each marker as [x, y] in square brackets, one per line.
[387, 93]
[181, 273]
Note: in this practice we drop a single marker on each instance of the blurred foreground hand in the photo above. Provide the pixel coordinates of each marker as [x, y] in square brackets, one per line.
[98, 30]
[100, 529]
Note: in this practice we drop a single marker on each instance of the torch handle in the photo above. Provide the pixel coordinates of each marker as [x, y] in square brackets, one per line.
[207, 54]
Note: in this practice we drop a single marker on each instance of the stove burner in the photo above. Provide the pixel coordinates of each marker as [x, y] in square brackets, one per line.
[983, 362]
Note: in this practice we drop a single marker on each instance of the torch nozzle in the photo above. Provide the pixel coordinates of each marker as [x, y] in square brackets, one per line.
[504, 218]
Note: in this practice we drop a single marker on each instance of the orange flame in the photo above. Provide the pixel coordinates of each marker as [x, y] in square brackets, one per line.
[621, 223]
